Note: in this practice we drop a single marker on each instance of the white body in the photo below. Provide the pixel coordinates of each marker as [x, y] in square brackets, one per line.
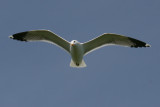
[77, 52]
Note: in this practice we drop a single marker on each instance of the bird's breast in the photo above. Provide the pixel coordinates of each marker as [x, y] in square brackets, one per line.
[77, 53]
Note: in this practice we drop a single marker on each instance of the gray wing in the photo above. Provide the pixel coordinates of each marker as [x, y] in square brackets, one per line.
[42, 35]
[112, 39]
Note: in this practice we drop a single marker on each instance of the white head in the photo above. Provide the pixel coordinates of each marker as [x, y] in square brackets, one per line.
[73, 42]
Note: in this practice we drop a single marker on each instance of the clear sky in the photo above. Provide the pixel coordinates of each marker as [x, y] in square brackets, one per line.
[37, 74]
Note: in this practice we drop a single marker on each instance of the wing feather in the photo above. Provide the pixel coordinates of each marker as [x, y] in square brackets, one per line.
[42, 35]
[112, 39]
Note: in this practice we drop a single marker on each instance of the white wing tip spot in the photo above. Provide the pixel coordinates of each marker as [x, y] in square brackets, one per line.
[11, 37]
[148, 45]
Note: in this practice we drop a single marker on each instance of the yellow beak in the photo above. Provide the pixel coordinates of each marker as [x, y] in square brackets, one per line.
[72, 44]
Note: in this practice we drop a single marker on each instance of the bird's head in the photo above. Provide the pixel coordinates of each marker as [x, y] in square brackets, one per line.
[74, 42]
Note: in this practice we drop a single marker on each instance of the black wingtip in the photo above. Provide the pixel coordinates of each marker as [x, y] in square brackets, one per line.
[138, 43]
[19, 36]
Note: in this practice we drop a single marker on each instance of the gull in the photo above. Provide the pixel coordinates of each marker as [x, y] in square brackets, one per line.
[76, 49]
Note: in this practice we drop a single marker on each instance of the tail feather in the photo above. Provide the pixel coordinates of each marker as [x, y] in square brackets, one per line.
[81, 65]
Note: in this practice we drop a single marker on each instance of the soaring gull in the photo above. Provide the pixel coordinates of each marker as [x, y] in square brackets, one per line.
[76, 49]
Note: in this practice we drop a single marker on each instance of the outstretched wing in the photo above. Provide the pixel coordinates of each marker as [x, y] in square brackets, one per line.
[42, 35]
[112, 39]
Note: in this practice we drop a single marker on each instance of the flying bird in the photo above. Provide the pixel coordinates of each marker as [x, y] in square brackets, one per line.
[76, 49]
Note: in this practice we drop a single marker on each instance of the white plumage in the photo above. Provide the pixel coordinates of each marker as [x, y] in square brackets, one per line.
[76, 49]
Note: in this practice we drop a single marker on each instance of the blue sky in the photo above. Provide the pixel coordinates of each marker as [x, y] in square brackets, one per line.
[37, 74]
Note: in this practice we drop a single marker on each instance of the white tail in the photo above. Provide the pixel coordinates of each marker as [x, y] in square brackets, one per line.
[72, 64]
